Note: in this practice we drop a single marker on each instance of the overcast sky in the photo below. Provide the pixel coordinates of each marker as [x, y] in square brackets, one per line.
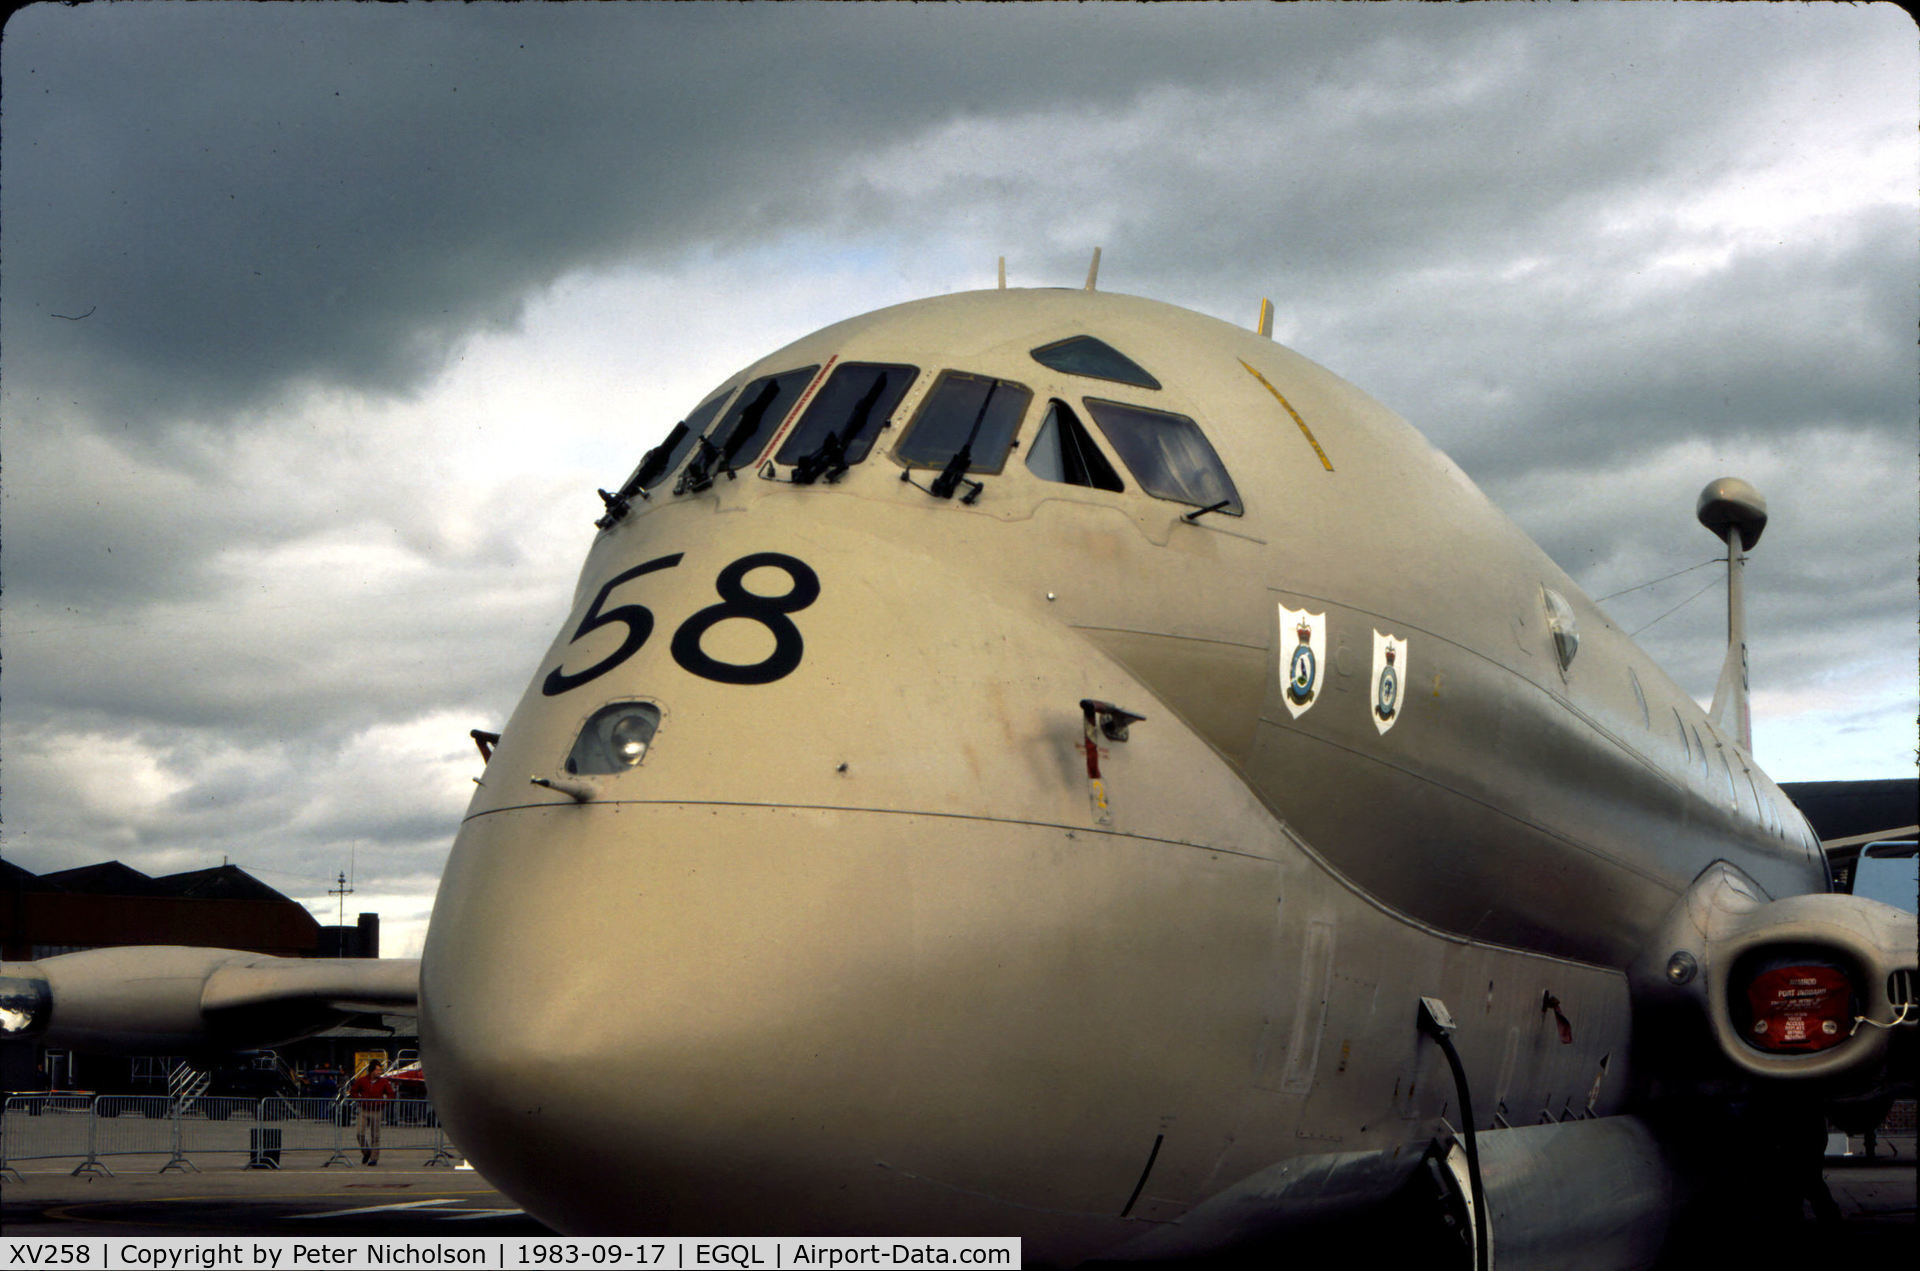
[322, 322]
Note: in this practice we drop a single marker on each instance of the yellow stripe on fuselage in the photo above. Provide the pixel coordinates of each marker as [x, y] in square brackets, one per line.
[1304, 430]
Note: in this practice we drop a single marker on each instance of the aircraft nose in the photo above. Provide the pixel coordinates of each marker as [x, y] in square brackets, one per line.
[687, 1042]
[812, 965]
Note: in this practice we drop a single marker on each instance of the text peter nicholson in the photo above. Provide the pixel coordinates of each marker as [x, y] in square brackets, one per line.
[765, 1253]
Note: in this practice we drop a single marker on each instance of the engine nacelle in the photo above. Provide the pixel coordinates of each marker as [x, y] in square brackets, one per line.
[1808, 988]
[170, 999]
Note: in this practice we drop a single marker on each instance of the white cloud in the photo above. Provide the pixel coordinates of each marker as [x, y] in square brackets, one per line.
[106, 780]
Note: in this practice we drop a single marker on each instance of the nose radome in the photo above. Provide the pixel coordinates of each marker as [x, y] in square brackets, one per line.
[703, 1007]
[814, 1021]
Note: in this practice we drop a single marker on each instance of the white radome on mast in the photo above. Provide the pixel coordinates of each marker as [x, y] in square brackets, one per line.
[1737, 514]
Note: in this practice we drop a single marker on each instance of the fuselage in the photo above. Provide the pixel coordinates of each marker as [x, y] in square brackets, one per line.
[862, 945]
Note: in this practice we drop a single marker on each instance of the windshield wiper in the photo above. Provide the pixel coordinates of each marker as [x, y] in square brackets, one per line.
[620, 502]
[618, 505]
[1195, 515]
[829, 459]
[748, 424]
[956, 470]
[653, 465]
[697, 475]
[825, 463]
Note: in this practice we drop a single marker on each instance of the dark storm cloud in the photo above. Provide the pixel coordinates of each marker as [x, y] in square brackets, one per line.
[343, 193]
[311, 192]
[239, 197]
[1502, 227]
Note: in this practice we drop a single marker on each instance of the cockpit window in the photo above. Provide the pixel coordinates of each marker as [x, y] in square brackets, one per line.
[759, 409]
[839, 426]
[1095, 359]
[1063, 451]
[747, 427]
[1168, 454]
[963, 411]
[665, 457]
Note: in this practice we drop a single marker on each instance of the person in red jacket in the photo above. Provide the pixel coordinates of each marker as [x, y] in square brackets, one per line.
[373, 1092]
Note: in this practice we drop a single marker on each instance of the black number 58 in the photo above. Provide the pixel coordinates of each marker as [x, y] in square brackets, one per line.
[735, 602]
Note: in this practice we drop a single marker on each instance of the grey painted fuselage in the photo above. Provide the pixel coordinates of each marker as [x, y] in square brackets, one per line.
[853, 949]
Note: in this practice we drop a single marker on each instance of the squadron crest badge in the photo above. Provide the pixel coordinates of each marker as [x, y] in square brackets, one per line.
[1389, 670]
[1303, 658]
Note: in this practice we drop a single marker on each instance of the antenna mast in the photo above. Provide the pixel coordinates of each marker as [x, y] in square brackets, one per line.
[1736, 513]
[342, 889]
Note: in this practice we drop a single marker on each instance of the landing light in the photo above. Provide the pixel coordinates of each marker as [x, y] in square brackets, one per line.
[614, 739]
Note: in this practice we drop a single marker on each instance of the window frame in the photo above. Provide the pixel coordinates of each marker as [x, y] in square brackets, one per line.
[1039, 431]
[739, 459]
[718, 401]
[876, 424]
[925, 404]
[1146, 381]
[1236, 505]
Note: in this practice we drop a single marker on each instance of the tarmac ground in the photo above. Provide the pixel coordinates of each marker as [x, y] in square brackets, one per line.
[1876, 1200]
[227, 1200]
[1876, 1225]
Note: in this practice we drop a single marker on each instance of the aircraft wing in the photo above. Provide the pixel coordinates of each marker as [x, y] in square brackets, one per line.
[160, 999]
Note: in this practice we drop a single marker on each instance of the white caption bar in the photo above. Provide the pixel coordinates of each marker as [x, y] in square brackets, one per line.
[283, 1253]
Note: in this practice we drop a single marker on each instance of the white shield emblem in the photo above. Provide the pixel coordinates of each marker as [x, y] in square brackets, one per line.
[1303, 658]
[1389, 675]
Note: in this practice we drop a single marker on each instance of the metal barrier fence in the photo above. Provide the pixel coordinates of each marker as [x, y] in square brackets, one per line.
[176, 1134]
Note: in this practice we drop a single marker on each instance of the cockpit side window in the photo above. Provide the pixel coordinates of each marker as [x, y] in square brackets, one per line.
[1095, 359]
[1168, 454]
[841, 423]
[1063, 451]
[759, 409]
[963, 411]
[660, 462]
[749, 423]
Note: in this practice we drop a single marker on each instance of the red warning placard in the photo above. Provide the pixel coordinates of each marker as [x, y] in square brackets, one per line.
[1799, 1008]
